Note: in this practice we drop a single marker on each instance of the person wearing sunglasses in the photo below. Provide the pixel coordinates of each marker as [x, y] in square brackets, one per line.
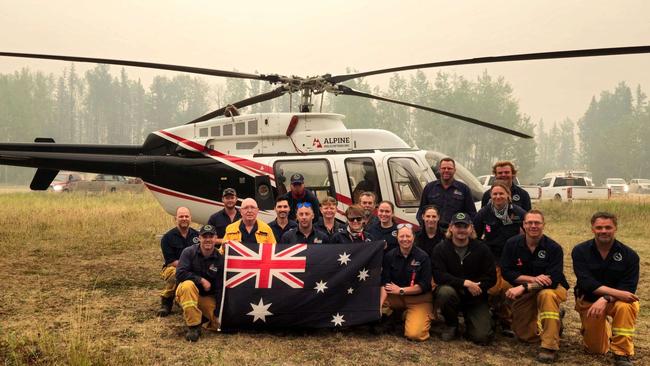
[385, 228]
[406, 285]
[327, 222]
[305, 233]
[297, 194]
[495, 223]
[430, 234]
[464, 270]
[354, 232]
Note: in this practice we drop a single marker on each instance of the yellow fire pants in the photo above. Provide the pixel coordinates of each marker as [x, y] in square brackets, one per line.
[168, 275]
[195, 306]
[417, 315]
[597, 332]
[536, 315]
[498, 301]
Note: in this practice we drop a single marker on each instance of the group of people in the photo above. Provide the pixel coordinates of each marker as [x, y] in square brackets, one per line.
[494, 264]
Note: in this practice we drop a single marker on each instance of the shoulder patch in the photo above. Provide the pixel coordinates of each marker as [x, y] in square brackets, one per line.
[541, 254]
[195, 240]
[618, 256]
[516, 197]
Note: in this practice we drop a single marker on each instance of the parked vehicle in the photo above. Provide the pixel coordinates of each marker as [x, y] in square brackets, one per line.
[110, 183]
[572, 173]
[617, 185]
[638, 185]
[569, 188]
[534, 191]
[65, 182]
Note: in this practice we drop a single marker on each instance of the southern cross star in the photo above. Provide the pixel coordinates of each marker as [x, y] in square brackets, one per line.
[320, 286]
[350, 291]
[337, 320]
[344, 258]
[260, 311]
[363, 274]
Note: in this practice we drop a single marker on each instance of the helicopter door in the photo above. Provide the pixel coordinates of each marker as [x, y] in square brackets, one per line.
[362, 177]
[407, 181]
[317, 173]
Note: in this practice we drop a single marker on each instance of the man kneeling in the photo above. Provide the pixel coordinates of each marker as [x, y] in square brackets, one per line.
[199, 276]
[406, 284]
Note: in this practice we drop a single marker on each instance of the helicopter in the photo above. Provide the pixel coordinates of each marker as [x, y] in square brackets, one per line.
[190, 165]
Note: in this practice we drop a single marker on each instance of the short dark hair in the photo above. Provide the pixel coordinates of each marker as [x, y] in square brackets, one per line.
[389, 203]
[281, 198]
[447, 159]
[534, 212]
[354, 210]
[604, 215]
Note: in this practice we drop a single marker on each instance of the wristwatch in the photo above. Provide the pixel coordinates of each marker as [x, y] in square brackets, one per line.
[401, 291]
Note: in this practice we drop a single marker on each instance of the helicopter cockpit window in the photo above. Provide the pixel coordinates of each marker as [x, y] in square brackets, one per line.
[215, 131]
[227, 130]
[317, 173]
[362, 177]
[252, 127]
[407, 180]
[203, 132]
[240, 129]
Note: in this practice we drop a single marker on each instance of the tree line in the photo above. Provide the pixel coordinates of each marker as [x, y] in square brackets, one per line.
[99, 107]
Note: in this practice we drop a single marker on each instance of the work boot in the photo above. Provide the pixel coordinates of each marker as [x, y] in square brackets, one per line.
[546, 355]
[449, 333]
[166, 304]
[193, 333]
[622, 360]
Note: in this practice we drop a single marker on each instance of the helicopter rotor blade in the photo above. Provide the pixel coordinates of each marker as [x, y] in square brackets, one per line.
[492, 59]
[150, 65]
[277, 92]
[349, 91]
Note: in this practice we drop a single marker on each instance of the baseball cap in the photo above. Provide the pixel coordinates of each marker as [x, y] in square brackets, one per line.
[208, 229]
[460, 217]
[229, 192]
[297, 178]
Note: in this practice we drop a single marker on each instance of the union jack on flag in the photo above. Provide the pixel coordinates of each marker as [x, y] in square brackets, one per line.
[264, 265]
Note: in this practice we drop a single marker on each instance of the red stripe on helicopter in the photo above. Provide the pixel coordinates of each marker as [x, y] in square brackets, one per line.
[180, 195]
[245, 163]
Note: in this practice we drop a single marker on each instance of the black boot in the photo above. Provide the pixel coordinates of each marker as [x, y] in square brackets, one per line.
[193, 333]
[166, 304]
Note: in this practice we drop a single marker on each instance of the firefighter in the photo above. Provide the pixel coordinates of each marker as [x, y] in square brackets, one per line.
[305, 233]
[281, 224]
[297, 194]
[406, 284]
[533, 264]
[327, 222]
[430, 234]
[385, 228]
[199, 277]
[505, 171]
[354, 232]
[249, 229]
[495, 223]
[226, 216]
[464, 270]
[607, 273]
[172, 245]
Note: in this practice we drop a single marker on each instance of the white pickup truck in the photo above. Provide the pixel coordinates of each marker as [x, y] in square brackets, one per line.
[569, 188]
[533, 191]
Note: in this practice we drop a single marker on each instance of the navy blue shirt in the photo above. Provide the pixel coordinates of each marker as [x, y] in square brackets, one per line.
[338, 227]
[619, 270]
[456, 198]
[414, 269]
[278, 231]
[389, 234]
[520, 197]
[220, 220]
[424, 242]
[307, 197]
[193, 266]
[496, 233]
[246, 237]
[547, 258]
[173, 243]
[295, 236]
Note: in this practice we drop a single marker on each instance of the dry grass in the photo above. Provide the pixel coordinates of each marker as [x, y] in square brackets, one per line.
[80, 286]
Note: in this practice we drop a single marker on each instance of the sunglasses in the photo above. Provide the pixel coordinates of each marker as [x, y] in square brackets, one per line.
[303, 204]
[407, 225]
[355, 219]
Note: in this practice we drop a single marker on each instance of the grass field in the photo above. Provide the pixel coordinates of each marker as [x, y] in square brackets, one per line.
[80, 286]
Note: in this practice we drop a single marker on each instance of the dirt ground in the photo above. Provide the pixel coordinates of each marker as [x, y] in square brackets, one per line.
[80, 282]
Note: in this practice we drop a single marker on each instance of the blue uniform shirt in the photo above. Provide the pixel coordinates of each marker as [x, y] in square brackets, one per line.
[295, 236]
[278, 231]
[520, 197]
[620, 270]
[456, 198]
[220, 220]
[173, 243]
[414, 269]
[389, 234]
[547, 258]
[193, 266]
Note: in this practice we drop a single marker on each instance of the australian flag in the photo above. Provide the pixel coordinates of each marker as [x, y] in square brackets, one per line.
[309, 286]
